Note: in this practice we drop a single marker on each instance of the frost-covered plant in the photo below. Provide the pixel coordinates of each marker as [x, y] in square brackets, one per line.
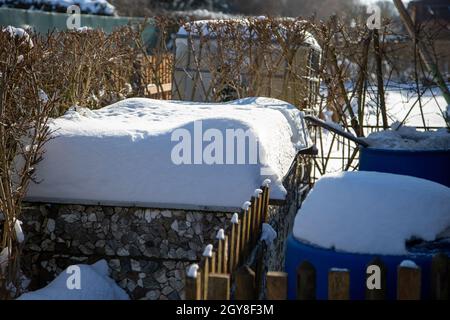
[25, 108]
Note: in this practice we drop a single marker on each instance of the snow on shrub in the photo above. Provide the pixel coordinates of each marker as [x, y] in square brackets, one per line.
[372, 212]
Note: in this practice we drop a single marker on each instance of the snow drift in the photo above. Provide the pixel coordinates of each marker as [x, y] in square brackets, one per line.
[95, 284]
[124, 154]
[372, 212]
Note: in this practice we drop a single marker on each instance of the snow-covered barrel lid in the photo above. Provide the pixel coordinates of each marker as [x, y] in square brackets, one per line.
[373, 212]
[170, 154]
[204, 27]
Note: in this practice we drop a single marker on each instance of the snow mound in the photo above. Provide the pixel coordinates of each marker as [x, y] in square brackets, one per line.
[95, 284]
[372, 212]
[409, 138]
[129, 153]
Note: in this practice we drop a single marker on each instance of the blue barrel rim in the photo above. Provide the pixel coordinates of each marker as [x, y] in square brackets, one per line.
[404, 151]
[318, 247]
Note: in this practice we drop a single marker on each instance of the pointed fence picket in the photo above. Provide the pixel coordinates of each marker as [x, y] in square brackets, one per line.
[232, 247]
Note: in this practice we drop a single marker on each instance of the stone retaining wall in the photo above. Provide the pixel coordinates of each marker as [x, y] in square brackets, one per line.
[148, 250]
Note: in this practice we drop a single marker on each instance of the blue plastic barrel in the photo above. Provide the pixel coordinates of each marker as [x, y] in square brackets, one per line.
[427, 164]
[324, 259]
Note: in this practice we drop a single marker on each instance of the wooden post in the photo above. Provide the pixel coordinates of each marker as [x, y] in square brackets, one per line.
[245, 284]
[372, 293]
[254, 229]
[266, 192]
[306, 281]
[205, 279]
[234, 243]
[338, 284]
[207, 255]
[243, 233]
[276, 285]
[257, 216]
[193, 288]
[408, 282]
[440, 277]
[237, 248]
[263, 204]
[220, 256]
[219, 286]
[249, 233]
[225, 255]
[213, 263]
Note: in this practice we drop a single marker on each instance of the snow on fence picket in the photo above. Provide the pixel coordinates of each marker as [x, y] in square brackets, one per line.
[212, 277]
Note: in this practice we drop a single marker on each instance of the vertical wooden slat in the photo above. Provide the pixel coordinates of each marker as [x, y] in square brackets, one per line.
[276, 285]
[212, 268]
[306, 281]
[225, 256]
[440, 277]
[205, 279]
[243, 232]
[193, 287]
[408, 283]
[266, 190]
[245, 284]
[374, 293]
[237, 249]
[338, 284]
[234, 243]
[257, 216]
[248, 231]
[220, 256]
[263, 204]
[219, 286]
[257, 221]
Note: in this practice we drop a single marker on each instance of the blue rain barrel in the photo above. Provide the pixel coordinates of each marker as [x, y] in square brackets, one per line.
[432, 165]
[324, 259]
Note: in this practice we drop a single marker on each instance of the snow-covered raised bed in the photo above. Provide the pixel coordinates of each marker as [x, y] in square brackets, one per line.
[372, 212]
[152, 153]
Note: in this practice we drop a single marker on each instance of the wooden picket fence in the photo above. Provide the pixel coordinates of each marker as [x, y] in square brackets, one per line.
[409, 281]
[222, 261]
[156, 73]
[214, 282]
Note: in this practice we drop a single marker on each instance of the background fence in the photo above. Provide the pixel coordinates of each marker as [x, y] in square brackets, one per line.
[43, 22]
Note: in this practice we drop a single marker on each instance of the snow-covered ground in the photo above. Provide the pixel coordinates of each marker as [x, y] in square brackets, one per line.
[401, 99]
[130, 153]
[372, 212]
